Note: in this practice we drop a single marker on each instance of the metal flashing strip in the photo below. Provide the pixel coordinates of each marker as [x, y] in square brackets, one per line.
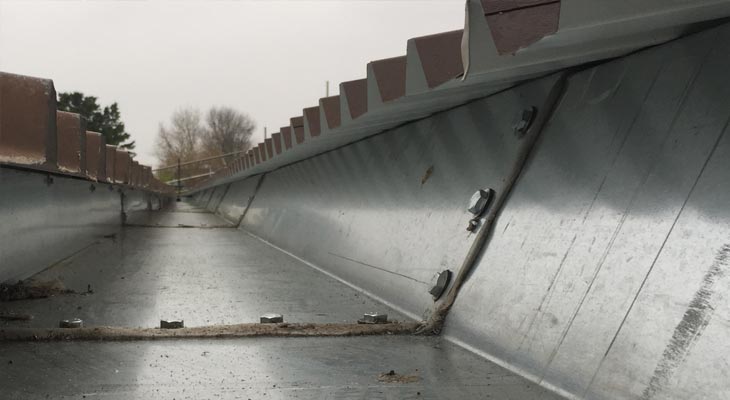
[502, 44]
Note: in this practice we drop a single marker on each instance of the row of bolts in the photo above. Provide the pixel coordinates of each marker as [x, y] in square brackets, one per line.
[368, 318]
[477, 204]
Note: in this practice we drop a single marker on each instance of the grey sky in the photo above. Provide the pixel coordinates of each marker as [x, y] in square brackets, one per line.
[267, 58]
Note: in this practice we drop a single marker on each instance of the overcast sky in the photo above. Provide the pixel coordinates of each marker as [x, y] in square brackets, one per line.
[269, 59]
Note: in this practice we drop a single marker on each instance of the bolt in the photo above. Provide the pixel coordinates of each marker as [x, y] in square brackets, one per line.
[373, 318]
[272, 318]
[172, 324]
[442, 281]
[71, 323]
[479, 201]
[525, 121]
[92, 188]
[48, 180]
[473, 224]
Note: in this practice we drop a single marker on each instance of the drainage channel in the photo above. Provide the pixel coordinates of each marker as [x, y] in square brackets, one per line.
[210, 275]
[213, 279]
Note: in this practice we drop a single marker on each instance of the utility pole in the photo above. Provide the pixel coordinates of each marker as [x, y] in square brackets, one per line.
[179, 183]
[266, 136]
[327, 89]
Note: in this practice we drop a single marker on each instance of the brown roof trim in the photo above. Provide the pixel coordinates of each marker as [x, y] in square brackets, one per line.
[390, 76]
[440, 56]
[269, 148]
[276, 138]
[331, 108]
[297, 124]
[517, 28]
[356, 93]
[312, 117]
[286, 134]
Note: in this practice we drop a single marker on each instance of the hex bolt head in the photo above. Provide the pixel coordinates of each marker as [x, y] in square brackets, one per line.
[272, 318]
[479, 201]
[525, 121]
[71, 323]
[473, 225]
[172, 324]
[442, 282]
[373, 318]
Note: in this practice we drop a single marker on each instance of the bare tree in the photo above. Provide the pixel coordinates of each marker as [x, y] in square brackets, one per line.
[182, 139]
[228, 131]
[186, 138]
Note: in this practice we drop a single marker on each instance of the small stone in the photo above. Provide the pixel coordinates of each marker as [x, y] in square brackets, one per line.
[171, 324]
[71, 323]
[271, 318]
[373, 318]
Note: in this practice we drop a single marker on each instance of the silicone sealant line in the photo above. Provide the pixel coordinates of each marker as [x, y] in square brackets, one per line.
[435, 322]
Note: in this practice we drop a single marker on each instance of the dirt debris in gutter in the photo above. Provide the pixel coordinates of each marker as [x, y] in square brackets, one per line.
[12, 316]
[205, 332]
[393, 377]
[30, 289]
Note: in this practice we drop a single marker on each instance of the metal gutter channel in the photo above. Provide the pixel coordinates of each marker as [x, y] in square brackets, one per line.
[45, 218]
[262, 368]
[222, 276]
[605, 275]
[608, 237]
[373, 212]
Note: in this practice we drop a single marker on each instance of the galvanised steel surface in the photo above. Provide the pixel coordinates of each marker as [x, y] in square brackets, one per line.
[214, 197]
[257, 368]
[135, 200]
[211, 276]
[42, 223]
[606, 273]
[203, 196]
[235, 202]
[175, 218]
[390, 212]
[196, 273]
[503, 44]
[46, 218]
[606, 276]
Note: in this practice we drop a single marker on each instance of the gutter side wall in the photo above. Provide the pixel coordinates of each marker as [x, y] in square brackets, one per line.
[42, 224]
[606, 274]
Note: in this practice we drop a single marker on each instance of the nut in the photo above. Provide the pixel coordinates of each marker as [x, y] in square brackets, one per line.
[373, 318]
[479, 201]
[525, 121]
[272, 318]
[172, 324]
[442, 281]
[71, 323]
